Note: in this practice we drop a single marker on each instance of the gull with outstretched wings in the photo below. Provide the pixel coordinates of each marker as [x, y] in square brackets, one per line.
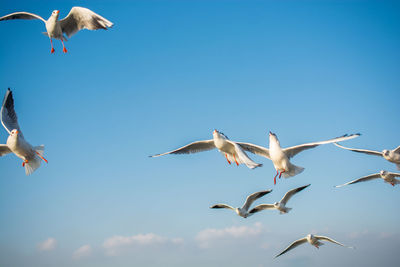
[230, 149]
[244, 210]
[388, 177]
[313, 240]
[78, 18]
[281, 205]
[16, 142]
[390, 155]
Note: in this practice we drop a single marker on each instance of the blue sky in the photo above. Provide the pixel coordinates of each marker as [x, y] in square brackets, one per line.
[169, 73]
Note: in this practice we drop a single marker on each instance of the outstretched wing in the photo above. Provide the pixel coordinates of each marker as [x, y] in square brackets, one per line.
[262, 207]
[4, 150]
[8, 116]
[293, 245]
[369, 152]
[290, 193]
[294, 150]
[325, 238]
[396, 150]
[21, 15]
[222, 206]
[253, 197]
[82, 18]
[362, 179]
[394, 174]
[243, 158]
[258, 150]
[198, 146]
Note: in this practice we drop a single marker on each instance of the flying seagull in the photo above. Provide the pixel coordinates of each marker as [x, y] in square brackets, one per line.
[281, 205]
[78, 18]
[314, 240]
[281, 156]
[16, 143]
[390, 155]
[230, 149]
[388, 177]
[243, 211]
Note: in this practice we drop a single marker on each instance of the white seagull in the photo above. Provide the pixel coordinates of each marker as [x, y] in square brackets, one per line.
[243, 211]
[281, 205]
[78, 18]
[16, 143]
[390, 155]
[230, 149]
[314, 240]
[281, 156]
[388, 177]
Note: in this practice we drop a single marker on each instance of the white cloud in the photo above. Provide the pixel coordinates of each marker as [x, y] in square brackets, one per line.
[82, 252]
[206, 237]
[47, 245]
[114, 244]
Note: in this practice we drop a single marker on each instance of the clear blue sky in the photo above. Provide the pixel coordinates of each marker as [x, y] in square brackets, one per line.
[169, 73]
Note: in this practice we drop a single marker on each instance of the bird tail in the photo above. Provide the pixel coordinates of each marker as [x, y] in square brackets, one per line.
[294, 170]
[286, 210]
[32, 165]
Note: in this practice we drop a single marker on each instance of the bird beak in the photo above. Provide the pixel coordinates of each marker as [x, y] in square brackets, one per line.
[58, 11]
[16, 132]
[215, 131]
[270, 133]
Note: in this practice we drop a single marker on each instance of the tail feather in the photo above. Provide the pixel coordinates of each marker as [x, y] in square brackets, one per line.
[39, 149]
[294, 170]
[32, 165]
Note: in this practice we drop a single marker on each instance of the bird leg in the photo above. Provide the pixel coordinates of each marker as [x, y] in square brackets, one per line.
[277, 172]
[235, 160]
[52, 48]
[45, 160]
[226, 156]
[316, 246]
[64, 49]
[392, 184]
[23, 163]
[281, 173]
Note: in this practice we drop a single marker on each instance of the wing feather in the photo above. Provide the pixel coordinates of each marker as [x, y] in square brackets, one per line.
[253, 197]
[325, 238]
[4, 150]
[21, 15]
[222, 206]
[198, 146]
[362, 179]
[8, 116]
[294, 150]
[262, 207]
[369, 152]
[82, 18]
[292, 246]
[290, 193]
[255, 149]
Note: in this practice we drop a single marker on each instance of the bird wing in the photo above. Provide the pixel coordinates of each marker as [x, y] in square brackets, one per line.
[258, 150]
[290, 193]
[4, 150]
[370, 152]
[394, 174]
[21, 15]
[8, 116]
[253, 197]
[362, 179]
[293, 245]
[262, 207]
[320, 237]
[243, 158]
[294, 150]
[198, 146]
[222, 206]
[82, 18]
[396, 150]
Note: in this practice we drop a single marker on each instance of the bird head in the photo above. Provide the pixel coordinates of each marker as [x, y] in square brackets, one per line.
[383, 173]
[14, 132]
[55, 13]
[273, 138]
[385, 152]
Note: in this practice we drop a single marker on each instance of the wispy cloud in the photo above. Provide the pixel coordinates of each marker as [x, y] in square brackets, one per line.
[82, 252]
[115, 244]
[206, 237]
[47, 245]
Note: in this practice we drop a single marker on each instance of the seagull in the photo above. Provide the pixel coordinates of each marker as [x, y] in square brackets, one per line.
[313, 240]
[78, 18]
[16, 143]
[388, 177]
[281, 205]
[230, 149]
[390, 155]
[243, 211]
[281, 156]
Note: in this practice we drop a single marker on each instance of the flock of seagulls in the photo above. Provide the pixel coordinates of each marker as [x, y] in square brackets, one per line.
[234, 152]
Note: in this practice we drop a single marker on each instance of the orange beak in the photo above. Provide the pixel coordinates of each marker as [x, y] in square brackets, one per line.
[58, 11]
[16, 132]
